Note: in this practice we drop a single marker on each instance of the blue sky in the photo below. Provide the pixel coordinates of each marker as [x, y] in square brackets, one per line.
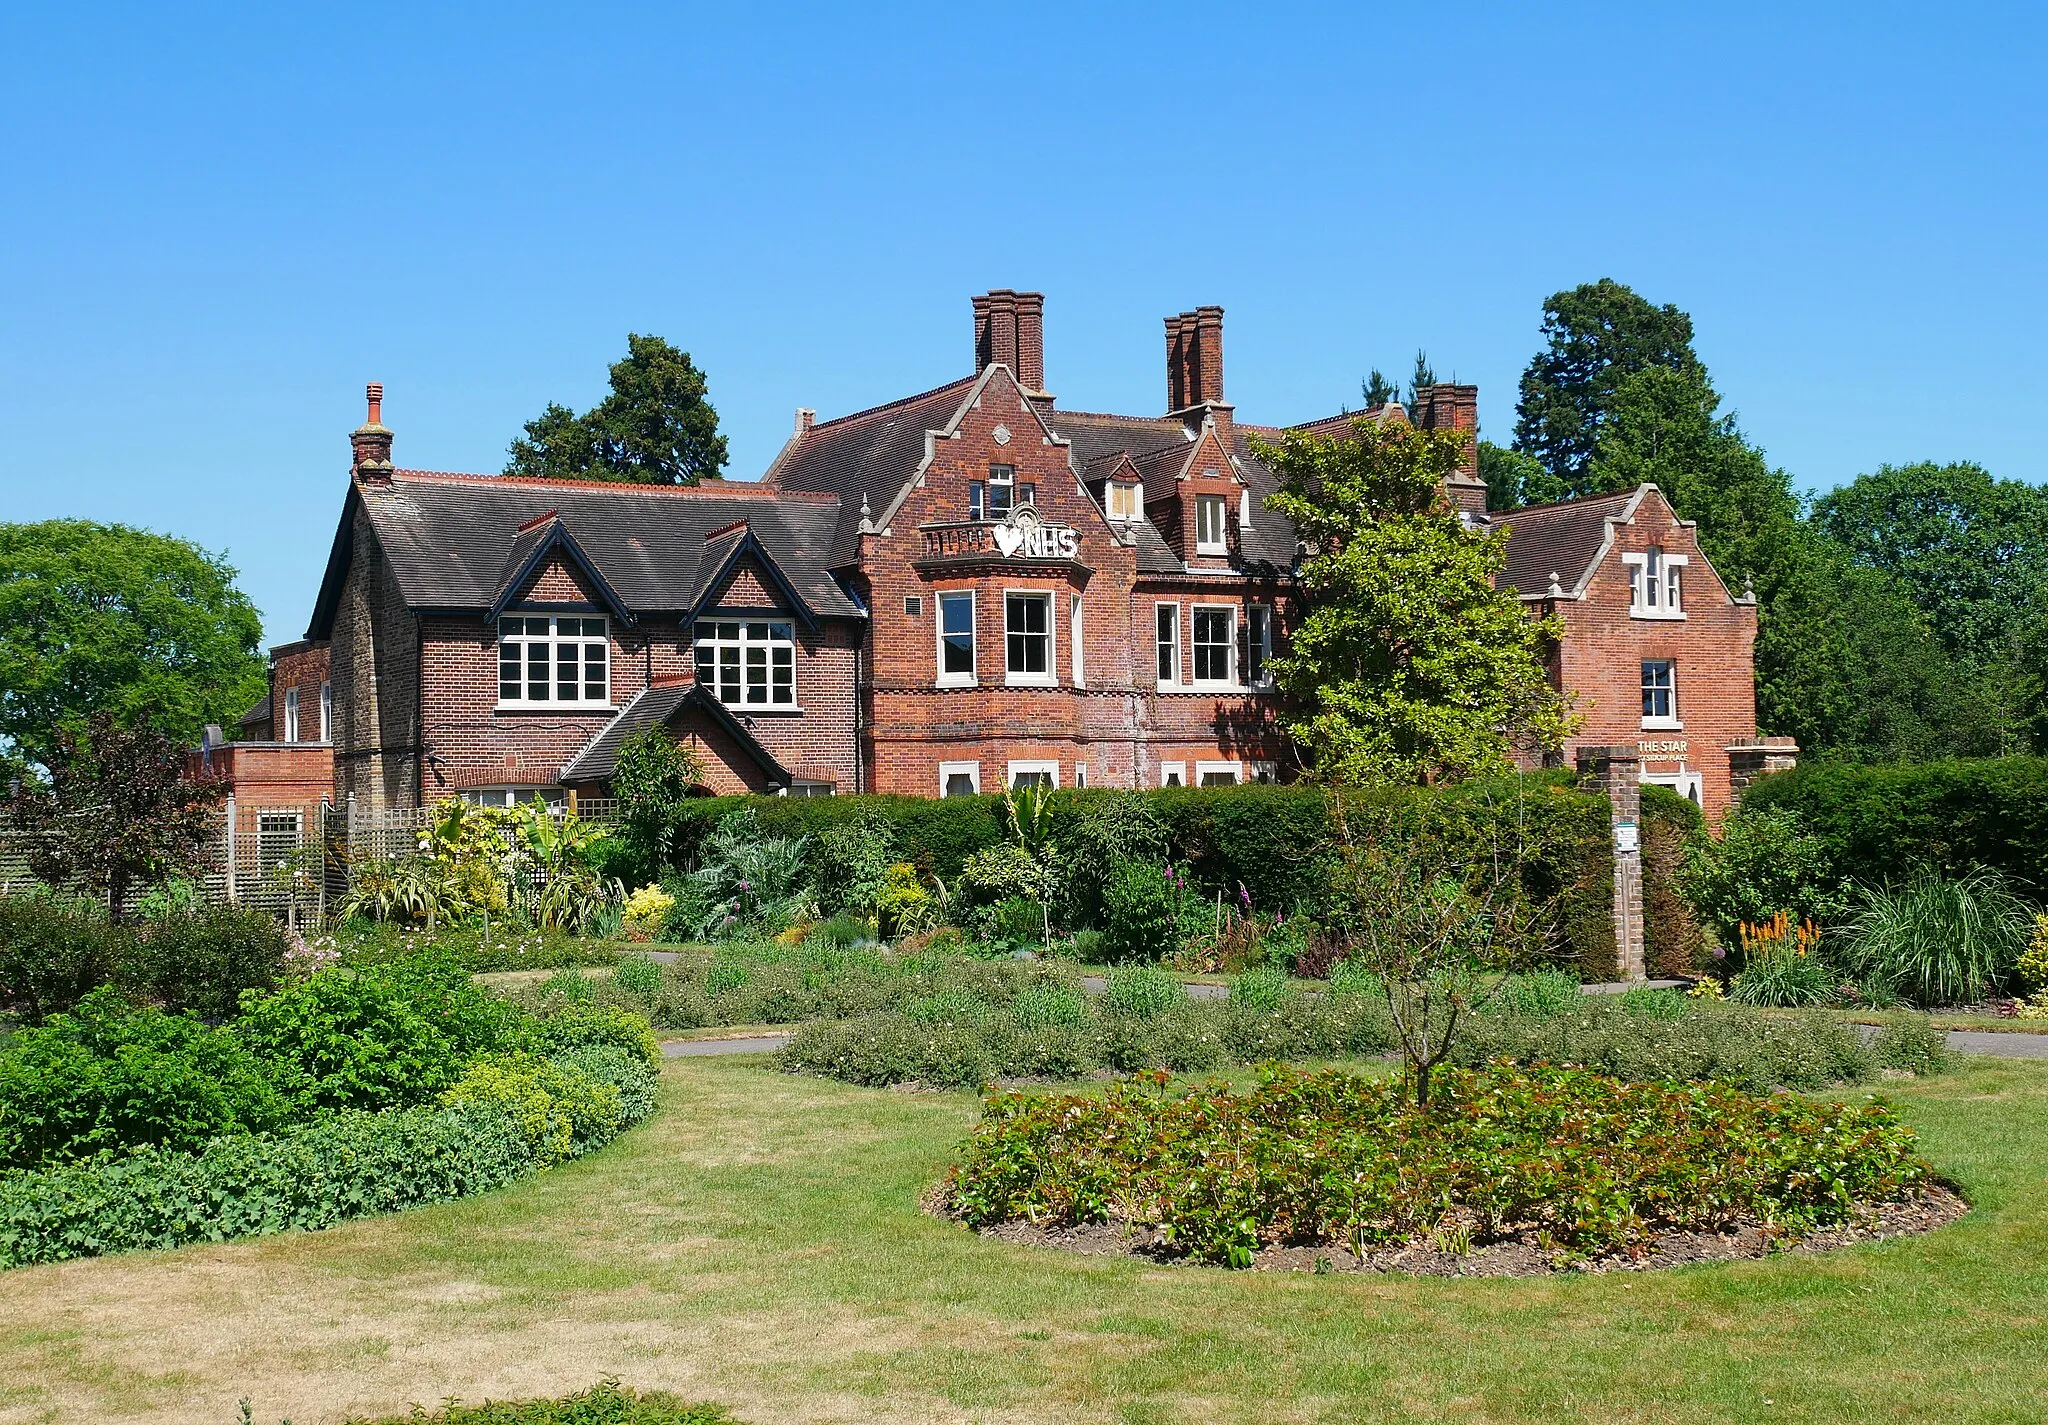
[220, 223]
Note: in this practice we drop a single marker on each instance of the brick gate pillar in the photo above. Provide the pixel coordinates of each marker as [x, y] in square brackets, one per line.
[1618, 772]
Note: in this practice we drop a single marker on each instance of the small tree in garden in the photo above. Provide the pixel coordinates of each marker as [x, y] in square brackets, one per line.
[654, 777]
[1438, 919]
[117, 812]
[1409, 665]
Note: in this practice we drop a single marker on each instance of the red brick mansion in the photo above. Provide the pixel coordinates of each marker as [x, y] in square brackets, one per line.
[959, 590]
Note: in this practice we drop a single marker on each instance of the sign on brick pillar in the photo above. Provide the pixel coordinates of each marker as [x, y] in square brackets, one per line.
[1618, 772]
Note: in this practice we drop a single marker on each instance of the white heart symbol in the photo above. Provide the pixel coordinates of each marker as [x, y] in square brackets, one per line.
[1008, 539]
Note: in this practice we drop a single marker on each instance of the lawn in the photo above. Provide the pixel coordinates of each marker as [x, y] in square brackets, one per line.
[758, 1243]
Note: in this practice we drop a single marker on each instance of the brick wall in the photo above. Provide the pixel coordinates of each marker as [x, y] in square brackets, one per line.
[1604, 649]
[374, 664]
[302, 668]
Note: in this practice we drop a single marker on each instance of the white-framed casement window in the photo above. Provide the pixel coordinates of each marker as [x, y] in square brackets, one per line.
[801, 788]
[1218, 774]
[556, 798]
[1654, 584]
[1173, 774]
[748, 663]
[1215, 645]
[549, 660]
[1080, 774]
[1027, 639]
[1258, 646]
[1074, 639]
[1686, 784]
[956, 638]
[1166, 642]
[959, 779]
[1035, 773]
[1244, 508]
[291, 716]
[1265, 773]
[1660, 693]
[993, 498]
[1125, 500]
[327, 712]
[1211, 533]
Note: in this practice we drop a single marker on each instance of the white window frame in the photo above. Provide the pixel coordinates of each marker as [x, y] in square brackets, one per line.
[1031, 766]
[1159, 643]
[804, 787]
[1244, 507]
[1234, 769]
[1124, 501]
[1669, 722]
[1655, 583]
[1050, 678]
[1080, 774]
[1684, 782]
[1221, 543]
[557, 798]
[327, 712]
[1266, 774]
[1229, 678]
[290, 731]
[973, 674]
[742, 645]
[981, 494]
[1178, 770]
[971, 770]
[1259, 640]
[1075, 616]
[554, 639]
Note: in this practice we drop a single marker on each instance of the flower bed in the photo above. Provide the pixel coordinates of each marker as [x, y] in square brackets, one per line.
[1572, 1164]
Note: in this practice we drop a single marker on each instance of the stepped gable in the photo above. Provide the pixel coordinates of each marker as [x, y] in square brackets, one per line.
[869, 455]
[1564, 539]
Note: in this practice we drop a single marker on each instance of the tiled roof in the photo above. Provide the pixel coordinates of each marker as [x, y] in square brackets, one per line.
[599, 757]
[1561, 539]
[451, 539]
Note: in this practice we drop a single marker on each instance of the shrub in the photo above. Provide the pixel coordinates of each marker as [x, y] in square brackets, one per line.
[1910, 1042]
[1049, 1006]
[638, 975]
[1764, 861]
[2032, 967]
[646, 910]
[1104, 833]
[560, 1111]
[204, 957]
[571, 985]
[1263, 987]
[1144, 911]
[54, 951]
[379, 1037]
[1937, 940]
[1579, 1163]
[1543, 991]
[1653, 1004]
[850, 863]
[1878, 822]
[607, 1403]
[108, 1076]
[1354, 979]
[588, 1026]
[1141, 992]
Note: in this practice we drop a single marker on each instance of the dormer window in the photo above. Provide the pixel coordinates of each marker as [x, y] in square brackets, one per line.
[1211, 535]
[1124, 502]
[1654, 588]
[548, 661]
[747, 662]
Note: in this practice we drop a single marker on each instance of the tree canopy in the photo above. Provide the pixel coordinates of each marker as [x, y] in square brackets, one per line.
[657, 427]
[1408, 665]
[106, 618]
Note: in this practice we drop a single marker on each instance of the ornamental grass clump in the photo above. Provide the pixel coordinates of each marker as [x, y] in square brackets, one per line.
[1576, 1163]
[1938, 940]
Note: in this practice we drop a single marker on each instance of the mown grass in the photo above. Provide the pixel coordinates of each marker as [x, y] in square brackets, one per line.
[759, 1243]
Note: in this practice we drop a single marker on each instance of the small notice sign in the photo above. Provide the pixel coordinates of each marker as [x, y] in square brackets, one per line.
[1625, 840]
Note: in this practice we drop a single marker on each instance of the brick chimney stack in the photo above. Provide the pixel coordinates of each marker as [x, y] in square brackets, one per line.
[371, 442]
[1448, 407]
[1009, 327]
[1194, 358]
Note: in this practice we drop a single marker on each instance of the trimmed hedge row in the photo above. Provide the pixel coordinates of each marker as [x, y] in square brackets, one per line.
[1881, 821]
[505, 1119]
[1278, 841]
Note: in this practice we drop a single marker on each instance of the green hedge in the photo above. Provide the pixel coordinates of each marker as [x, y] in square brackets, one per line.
[1277, 841]
[349, 1165]
[1879, 822]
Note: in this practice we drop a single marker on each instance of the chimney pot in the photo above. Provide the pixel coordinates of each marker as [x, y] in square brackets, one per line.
[371, 442]
[375, 392]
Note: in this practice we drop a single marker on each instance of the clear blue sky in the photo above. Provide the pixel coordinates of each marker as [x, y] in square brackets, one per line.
[218, 224]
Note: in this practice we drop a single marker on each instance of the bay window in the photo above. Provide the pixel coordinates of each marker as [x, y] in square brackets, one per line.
[748, 662]
[547, 660]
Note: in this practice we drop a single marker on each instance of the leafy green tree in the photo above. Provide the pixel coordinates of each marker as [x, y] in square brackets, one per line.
[657, 427]
[106, 618]
[1596, 335]
[1409, 666]
[654, 779]
[118, 813]
[1514, 480]
[1969, 549]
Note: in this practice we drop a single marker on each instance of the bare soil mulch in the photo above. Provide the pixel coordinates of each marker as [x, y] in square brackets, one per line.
[1516, 1256]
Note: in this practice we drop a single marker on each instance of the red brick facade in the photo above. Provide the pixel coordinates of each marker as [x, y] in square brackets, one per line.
[1117, 569]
